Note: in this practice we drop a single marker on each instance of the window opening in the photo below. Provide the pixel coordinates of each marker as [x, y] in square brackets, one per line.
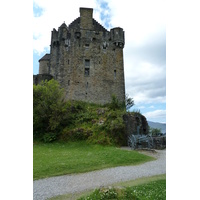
[87, 67]
[115, 73]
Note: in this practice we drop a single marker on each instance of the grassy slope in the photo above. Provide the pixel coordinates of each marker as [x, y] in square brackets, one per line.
[77, 157]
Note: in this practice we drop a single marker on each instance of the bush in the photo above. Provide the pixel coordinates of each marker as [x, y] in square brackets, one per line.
[50, 113]
[100, 138]
[76, 134]
[49, 137]
[115, 127]
[115, 104]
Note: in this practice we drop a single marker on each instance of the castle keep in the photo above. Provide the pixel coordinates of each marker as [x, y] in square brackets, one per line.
[86, 59]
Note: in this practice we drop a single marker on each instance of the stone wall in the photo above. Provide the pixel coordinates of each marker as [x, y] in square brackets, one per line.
[37, 79]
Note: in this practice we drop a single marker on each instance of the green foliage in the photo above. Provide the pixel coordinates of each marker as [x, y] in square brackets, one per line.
[115, 127]
[100, 138]
[49, 110]
[155, 190]
[77, 134]
[49, 137]
[56, 119]
[129, 102]
[102, 194]
[137, 111]
[108, 129]
[115, 104]
[154, 131]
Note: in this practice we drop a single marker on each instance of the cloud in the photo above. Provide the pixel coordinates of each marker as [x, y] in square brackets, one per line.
[156, 115]
[37, 11]
[105, 13]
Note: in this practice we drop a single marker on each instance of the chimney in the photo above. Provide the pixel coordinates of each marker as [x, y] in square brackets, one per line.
[86, 17]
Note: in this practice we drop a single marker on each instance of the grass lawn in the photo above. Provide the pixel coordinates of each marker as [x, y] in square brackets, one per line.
[76, 157]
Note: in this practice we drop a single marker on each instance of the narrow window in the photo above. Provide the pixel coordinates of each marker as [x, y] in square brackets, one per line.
[68, 62]
[87, 67]
[115, 73]
[68, 82]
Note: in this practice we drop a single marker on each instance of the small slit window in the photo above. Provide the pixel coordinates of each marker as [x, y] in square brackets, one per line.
[115, 73]
[87, 67]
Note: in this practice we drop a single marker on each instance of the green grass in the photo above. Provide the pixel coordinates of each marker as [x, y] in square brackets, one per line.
[76, 157]
[143, 188]
[152, 190]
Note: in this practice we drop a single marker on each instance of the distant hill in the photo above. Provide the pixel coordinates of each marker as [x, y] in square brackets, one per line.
[161, 126]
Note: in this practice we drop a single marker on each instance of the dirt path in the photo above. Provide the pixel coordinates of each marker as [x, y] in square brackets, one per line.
[49, 187]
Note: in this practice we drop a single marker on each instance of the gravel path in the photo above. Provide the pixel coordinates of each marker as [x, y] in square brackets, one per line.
[49, 187]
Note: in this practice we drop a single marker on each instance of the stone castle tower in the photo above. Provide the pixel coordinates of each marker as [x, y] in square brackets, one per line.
[86, 59]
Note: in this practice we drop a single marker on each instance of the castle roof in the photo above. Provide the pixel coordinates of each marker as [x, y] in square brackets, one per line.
[45, 57]
[97, 25]
[63, 25]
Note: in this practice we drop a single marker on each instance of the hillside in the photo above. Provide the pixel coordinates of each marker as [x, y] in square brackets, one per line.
[161, 126]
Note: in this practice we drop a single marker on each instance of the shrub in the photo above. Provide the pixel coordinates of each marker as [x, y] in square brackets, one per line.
[50, 111]
[115, 127]
[76, 134]
[100, 138]
[115, 104]
[49, 137]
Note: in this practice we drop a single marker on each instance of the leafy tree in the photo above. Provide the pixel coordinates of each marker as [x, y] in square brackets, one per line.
[154, 131]
[49, 110]
[129, 102]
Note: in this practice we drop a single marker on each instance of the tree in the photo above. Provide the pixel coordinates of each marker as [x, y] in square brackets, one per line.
[129, 102]
[49, 109]
[154, 131]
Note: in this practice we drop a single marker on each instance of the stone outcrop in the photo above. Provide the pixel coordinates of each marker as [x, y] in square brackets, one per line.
[135, 123]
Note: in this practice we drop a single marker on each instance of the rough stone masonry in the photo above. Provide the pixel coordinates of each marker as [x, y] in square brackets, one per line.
[86, 59]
